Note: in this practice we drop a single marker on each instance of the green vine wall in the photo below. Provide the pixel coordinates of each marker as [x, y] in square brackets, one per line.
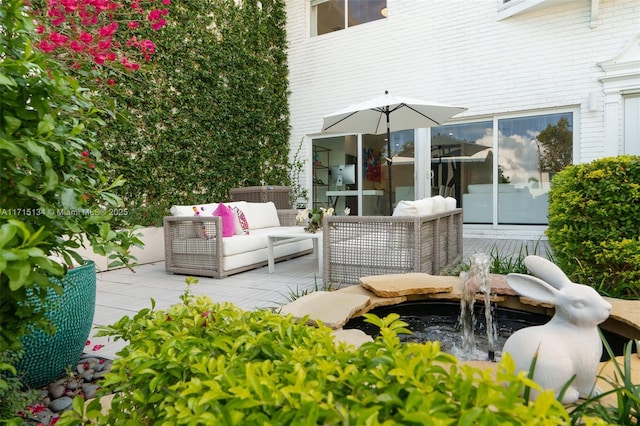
[209, 114]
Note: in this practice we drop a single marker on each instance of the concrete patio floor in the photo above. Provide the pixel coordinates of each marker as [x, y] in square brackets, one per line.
[122, 292]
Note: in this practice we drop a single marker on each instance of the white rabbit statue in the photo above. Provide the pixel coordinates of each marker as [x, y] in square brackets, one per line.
[569, 344]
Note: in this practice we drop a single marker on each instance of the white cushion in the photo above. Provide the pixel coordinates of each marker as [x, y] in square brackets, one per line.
[450, 203]
[425, 206]
[261, 215]
[406, 208]
[204, 209]
[439, 204]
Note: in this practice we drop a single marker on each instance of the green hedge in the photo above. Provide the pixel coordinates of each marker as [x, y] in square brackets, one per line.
[207, 363]
[594, 224]
[209, 113]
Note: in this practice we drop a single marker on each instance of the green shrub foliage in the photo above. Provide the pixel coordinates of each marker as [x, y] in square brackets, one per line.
[594, 229]
[207, 363]
[209, 114]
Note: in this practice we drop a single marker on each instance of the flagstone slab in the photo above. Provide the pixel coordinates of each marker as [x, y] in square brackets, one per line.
[332, 308]
[352, 337]
[625, 311]
[374, 300]
[394, 285]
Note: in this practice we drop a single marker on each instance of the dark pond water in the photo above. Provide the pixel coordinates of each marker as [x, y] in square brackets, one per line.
[440, 321]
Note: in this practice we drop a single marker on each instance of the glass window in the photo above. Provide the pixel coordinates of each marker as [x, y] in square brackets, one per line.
[632, 125]
[375, 183]
[333, 15]
[530, 151]
[462, 167]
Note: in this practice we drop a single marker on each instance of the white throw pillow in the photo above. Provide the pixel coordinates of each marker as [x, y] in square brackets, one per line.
[439, 204]
[261, 215]
[203, 209]
[425, 206]
[450, 203]
[406, 208]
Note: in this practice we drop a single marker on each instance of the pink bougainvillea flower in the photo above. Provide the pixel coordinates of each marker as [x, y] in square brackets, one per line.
[40, 29]
[99, 58]
[108, 30]
[46, 47]
[111, 56]
[158, 24]
[133, 24]
[104, 44]
[86, 154]
[86, 37]
[76, 46]
[58, 38]
[166, 2]
[69, 5]
[111, 82]
[131, 66]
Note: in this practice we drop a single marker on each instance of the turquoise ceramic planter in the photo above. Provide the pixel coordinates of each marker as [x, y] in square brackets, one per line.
[47, 356]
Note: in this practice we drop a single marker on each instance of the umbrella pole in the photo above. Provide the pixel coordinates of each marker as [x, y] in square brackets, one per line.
[389, 160]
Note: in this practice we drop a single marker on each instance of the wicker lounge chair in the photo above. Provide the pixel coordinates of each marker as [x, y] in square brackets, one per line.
[357, 246]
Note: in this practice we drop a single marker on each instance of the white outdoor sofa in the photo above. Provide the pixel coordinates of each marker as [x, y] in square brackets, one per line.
[194, 245]
[358, 246]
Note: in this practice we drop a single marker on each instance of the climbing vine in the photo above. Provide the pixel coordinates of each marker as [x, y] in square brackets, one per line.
[209, 114]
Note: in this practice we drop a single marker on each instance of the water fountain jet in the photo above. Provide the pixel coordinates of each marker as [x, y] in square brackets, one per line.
[474, 281]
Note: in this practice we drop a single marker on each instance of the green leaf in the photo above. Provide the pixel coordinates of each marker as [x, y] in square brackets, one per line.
[46, 125]
[6, 80]
[12, 123]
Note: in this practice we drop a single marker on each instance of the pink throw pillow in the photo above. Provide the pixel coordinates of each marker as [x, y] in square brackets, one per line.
[228, 225]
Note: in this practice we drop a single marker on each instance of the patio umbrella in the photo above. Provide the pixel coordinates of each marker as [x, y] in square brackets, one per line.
[386, 114]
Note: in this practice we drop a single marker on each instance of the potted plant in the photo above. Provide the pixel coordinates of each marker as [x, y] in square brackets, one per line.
[55, 195]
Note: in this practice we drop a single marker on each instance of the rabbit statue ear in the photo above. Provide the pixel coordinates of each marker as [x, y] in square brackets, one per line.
[532, 287]
[547, 271]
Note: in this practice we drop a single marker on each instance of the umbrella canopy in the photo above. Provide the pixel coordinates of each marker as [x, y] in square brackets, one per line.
[386, 114]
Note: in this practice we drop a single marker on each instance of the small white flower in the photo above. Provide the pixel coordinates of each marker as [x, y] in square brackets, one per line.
[329, 211]
[347, 211]
[302, 215]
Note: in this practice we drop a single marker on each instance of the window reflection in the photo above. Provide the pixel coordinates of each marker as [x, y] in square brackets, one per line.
[334, 15]
[462, 167]
[531, 150]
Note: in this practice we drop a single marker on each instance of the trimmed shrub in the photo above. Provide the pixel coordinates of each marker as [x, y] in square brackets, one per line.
[206, 363]
[594, 226]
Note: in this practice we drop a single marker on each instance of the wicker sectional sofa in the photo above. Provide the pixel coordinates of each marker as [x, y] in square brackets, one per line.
[194, 245]
[357, 246]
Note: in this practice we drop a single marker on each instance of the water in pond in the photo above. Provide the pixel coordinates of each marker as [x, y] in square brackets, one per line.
[431, 320]
[440, 321]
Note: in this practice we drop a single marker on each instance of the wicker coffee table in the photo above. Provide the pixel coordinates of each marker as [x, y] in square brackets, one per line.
[292, 236]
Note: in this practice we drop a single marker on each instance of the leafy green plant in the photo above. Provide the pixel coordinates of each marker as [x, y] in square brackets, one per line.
[53, 191]
[593, 224]
[299, 192]
[13, 398]
[505, 263]
[210, 113]
[626, 410]
[297, 293]
[201, 362]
